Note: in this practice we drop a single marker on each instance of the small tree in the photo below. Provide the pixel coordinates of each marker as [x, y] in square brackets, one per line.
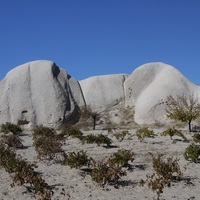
[87, 112]
[184, 108]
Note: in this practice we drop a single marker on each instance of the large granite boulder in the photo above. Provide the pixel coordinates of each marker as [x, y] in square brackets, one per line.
[38, 93]
[148, 86]
[104, 92]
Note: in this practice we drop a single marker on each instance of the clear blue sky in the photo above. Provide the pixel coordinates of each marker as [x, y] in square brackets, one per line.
[95, 37]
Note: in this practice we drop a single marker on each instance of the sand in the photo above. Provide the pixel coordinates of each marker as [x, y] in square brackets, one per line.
[81, 187]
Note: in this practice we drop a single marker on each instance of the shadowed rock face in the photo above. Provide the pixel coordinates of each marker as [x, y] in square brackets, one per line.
[39, 92]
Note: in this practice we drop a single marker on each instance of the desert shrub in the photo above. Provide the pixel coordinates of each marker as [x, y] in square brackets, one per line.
[196, 137]
[99, 139]
[165, 172]
[121, 135]
[155, 183]
[72, 131]
[9, 127]
[104, 173]
[192, 153]
[12, 141]
[143, 133]
[47, 143]
[169, 169]
[121, 157]
[77, 159]
[22, 172]
[41, 131]
[172, 131]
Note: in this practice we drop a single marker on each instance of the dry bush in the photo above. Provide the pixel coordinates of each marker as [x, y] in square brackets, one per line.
[12, 141]
[22, 172]
[165, 172]
[104, 172]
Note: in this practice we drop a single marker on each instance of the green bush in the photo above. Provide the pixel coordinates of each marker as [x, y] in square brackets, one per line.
[98, 139]
[172, 131]
[196, 137]
[77, 159]
[192, 153]
[41, 131]
[9, 127]
[143, 133]
[72, 131]
[121, 135]
[47, 143]
[121, 157]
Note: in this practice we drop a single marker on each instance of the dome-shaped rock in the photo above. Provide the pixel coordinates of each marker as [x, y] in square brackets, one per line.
[149, 85]
[38, 93]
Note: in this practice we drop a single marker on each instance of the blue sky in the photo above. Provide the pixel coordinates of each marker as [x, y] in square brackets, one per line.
[96, 37]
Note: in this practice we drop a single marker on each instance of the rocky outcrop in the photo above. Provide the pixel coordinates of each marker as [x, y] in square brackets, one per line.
[143, 92]
[37, 93]
[104, 92]
[40, 92]
[148, 86]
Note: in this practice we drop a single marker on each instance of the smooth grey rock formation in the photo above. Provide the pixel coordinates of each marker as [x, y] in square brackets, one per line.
[41, 93]
[104, 92]
[149, 85]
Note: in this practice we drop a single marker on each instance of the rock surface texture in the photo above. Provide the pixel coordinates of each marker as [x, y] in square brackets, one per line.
[144, 91]
[37, 93]
[104, 92]
[148, 86]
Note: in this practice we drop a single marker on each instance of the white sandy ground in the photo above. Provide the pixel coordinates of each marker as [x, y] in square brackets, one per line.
[83, 188]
